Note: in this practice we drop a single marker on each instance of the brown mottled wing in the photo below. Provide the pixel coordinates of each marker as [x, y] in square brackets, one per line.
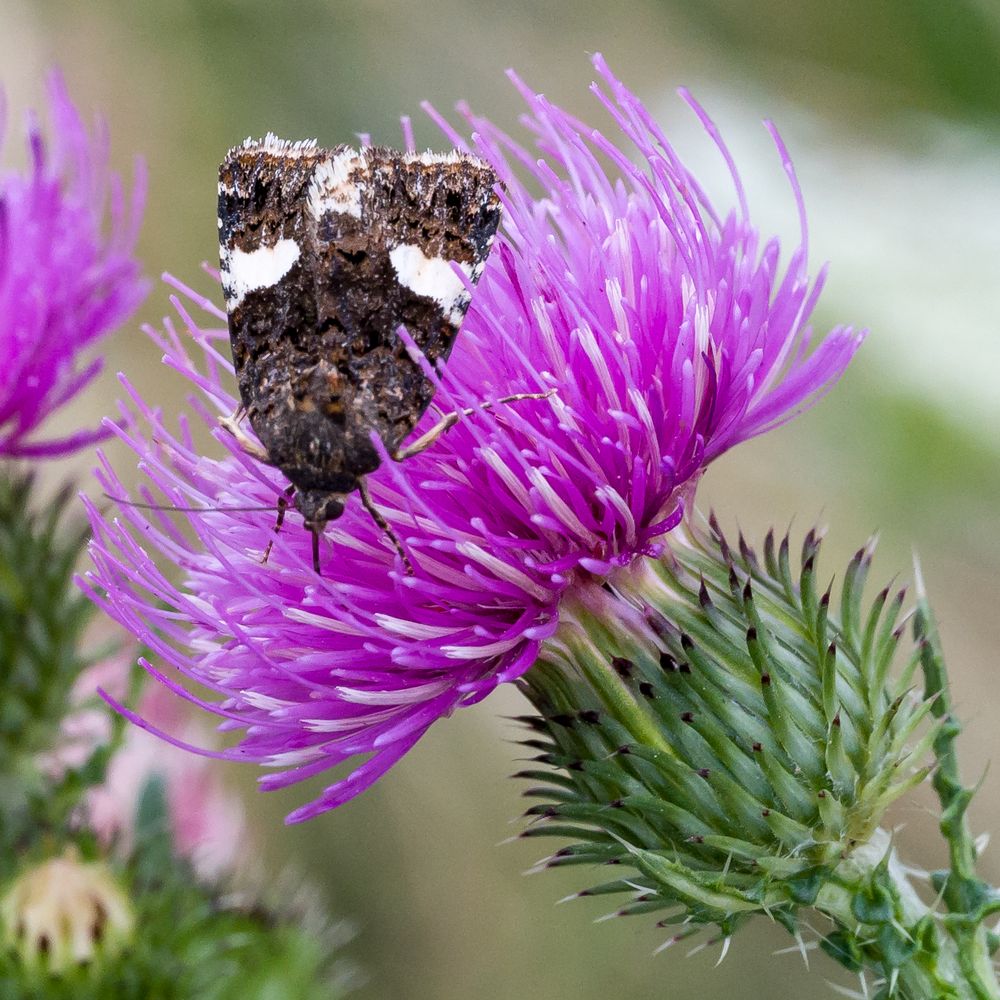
[325, 253]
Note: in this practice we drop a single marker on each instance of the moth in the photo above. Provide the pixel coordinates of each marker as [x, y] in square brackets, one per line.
[324, 254]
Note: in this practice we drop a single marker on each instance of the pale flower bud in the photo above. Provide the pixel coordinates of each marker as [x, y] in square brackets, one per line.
[66, 912]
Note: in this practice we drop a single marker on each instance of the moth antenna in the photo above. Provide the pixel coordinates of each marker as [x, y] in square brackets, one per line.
[184, 510]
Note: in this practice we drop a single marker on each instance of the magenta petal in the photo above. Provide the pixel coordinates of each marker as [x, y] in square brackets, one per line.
[67, 275]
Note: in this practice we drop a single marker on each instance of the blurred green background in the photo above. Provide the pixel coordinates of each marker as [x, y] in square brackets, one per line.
[892, 114]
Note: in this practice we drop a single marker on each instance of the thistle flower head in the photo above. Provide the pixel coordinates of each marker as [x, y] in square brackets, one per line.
[665, 333]
[67, 273]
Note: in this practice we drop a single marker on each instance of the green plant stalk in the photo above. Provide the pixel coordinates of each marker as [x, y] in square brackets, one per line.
[912, 949]
[968, 898]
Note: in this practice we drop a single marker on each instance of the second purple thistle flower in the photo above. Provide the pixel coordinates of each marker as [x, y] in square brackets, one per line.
[667, 330]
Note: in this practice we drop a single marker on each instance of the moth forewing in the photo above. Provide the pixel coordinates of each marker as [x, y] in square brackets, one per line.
[324, 254]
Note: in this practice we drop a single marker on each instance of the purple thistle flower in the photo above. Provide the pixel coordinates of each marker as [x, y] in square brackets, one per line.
[668, 336]
[64, 281]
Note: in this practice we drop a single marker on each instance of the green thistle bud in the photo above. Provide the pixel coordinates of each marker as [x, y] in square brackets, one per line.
[712, 721]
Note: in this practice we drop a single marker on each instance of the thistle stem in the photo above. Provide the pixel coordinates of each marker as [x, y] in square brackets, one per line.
[967, 897]
[885, 926]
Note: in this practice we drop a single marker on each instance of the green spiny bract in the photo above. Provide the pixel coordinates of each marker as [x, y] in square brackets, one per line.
[42, 616]
[712, 721]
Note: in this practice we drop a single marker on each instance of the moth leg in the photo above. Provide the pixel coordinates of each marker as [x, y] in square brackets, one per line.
[427, 439]
[232, 424]
[488, 405]
[315, 548]
[450, 419]
[379, 519]
[286, 495]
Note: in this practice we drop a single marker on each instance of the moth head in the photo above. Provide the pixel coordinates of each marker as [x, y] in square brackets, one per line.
[318, 506]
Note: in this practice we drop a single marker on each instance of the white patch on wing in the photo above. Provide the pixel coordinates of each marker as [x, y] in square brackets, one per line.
[433, 278]
[244, 271]
[331, 188]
